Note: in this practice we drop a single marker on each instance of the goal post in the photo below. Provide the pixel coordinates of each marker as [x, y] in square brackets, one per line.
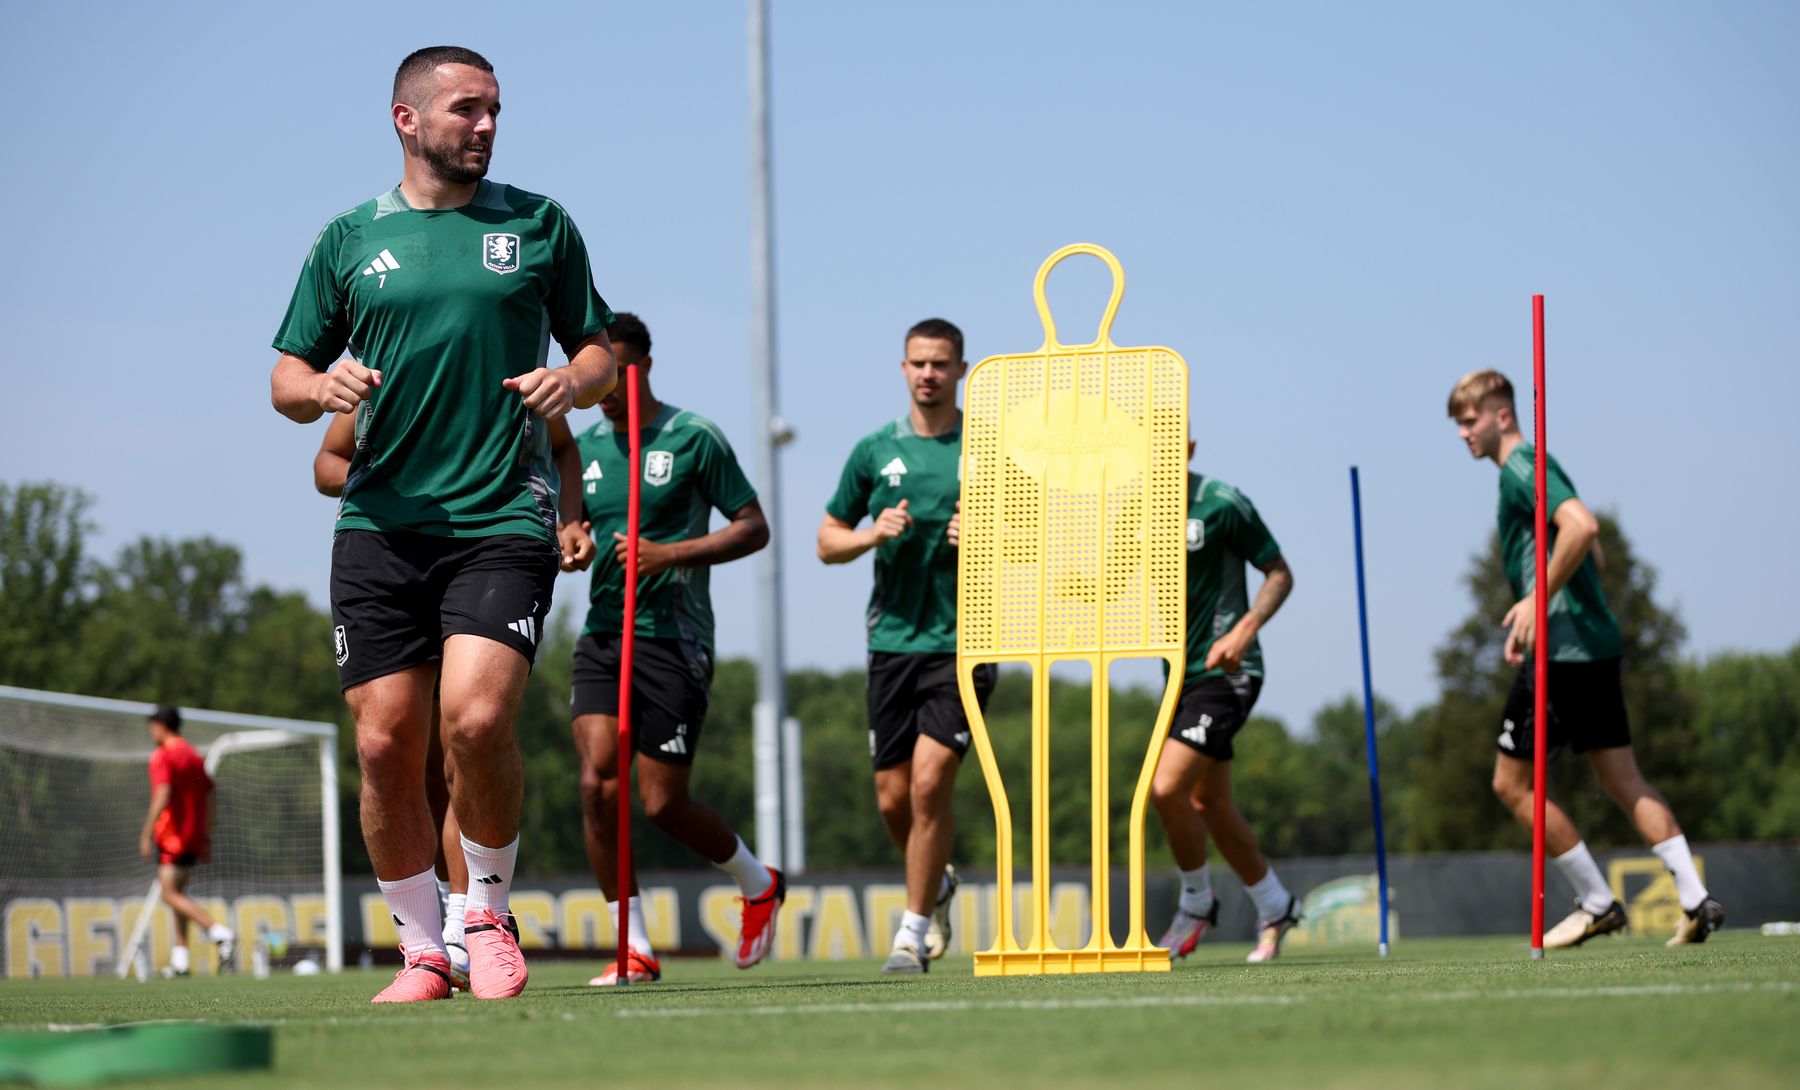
[74, 789]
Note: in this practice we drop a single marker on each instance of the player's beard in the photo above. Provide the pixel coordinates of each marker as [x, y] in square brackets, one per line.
[444, 157]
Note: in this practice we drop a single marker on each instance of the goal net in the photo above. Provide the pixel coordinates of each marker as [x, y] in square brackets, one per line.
[76, 899]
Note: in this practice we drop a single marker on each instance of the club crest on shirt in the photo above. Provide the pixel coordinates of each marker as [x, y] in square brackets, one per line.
[1196, 535]
[500, 252]
[659, 465]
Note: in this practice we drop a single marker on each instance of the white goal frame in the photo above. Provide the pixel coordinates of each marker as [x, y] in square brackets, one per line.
[252, 732]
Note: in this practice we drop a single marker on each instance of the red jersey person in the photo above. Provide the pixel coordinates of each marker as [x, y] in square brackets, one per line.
[177, 834]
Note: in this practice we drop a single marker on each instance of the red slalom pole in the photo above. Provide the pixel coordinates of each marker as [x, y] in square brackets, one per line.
[627, 648]
[1540, 645]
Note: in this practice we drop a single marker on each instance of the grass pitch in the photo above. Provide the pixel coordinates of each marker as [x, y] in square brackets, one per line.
[1465, 1012]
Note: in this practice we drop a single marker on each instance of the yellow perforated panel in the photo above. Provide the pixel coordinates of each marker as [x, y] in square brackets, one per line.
[1074, 505]
[1074, 502]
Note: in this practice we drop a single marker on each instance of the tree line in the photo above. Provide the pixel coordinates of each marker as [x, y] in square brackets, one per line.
[177, 621]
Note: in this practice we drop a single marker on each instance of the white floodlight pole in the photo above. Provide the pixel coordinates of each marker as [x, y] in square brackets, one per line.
[772, 834]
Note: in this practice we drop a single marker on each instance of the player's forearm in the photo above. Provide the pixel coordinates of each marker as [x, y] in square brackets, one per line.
[1571, 547]
[293, 389]
[570, 509]
[842, 544]
[1278, 583]
[593, 371]
[329, 473]
[156, 808]
[741, 537]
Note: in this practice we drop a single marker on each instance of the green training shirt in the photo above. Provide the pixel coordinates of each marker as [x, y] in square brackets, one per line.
[1224, 534]
[689, 470]
[912, 609]
[446, 303]
[1582, 627]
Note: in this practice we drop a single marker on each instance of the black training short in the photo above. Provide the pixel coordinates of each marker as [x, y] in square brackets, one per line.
[913, 694]
[1587, 709]
[396, 597]
[671, 681]
[1211, 712]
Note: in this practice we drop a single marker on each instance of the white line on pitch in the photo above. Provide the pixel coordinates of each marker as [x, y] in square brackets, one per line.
[954, 1006]
[927, 1006]
[936, 1006]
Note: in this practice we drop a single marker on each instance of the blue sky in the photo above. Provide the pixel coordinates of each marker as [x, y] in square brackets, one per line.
[1332, 211]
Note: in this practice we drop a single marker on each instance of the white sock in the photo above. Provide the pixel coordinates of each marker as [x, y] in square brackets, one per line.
[636, 936]
[218, 932]
[1675, 855]
[178, 959]
[912, 930]
[455, 905]
[1271, 897]
[413, 903]
[1196, 890]
[443, 888]
[490, 874]
[1578, 866]
[752, 877]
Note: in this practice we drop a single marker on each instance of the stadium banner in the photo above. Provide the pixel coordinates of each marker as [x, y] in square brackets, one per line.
[59, 932]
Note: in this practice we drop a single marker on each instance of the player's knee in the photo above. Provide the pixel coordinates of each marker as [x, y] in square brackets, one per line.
[1202, 803]
[384, 755]
[1167, 792]
[931, 788]
[894, 805]
[663, 808]
[1507, 788]
[599, 787]
[480, 726]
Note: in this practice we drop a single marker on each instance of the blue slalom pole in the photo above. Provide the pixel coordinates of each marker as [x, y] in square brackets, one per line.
[1362, 617]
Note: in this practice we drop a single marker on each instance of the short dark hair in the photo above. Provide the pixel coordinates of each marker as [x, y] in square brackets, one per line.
[421, 62]
[1476, 387]
[938, 329]
[628, 328]
[168, 715]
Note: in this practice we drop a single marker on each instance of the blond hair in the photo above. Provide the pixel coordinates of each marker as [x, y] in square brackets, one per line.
[1476, 387]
